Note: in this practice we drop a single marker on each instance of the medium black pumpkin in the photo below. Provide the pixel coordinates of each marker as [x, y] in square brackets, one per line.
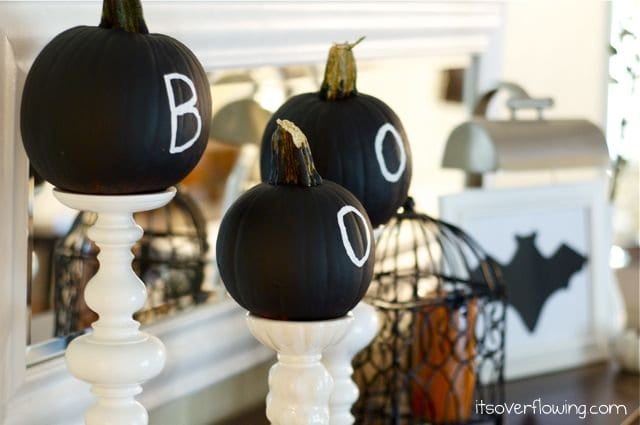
[357, 140]
[295, 247]
[113, 109]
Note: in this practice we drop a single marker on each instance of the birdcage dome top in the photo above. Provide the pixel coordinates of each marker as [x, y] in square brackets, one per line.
[421, 260]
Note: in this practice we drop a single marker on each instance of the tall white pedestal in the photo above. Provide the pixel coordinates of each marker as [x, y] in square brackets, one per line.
[337, 359]
[116, 357]
[299, 384]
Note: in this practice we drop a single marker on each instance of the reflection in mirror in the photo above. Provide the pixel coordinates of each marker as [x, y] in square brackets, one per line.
[175, 257]
[169, 258]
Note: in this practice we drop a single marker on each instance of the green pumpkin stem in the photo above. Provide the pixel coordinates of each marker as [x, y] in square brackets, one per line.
[291, 160]
[123, 15]
[340, 73]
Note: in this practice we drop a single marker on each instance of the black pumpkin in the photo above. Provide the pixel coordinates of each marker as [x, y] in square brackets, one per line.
[295, 247]
[357, 140]
[113, 109]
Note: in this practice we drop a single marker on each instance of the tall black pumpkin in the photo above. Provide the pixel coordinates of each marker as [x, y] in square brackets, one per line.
[113, 109]
[295, 247]
[356, 139]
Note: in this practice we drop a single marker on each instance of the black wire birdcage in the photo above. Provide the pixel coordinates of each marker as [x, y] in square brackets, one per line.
[440, 349]
[169, 258]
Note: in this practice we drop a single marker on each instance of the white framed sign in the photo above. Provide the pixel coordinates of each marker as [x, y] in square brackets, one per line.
[552, 243]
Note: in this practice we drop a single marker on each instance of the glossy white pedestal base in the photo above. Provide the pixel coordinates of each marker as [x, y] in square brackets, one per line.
[116, 357]
[337, 359]
[299, 384]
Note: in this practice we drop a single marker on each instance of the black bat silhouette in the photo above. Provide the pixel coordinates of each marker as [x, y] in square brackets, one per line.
[531, 278]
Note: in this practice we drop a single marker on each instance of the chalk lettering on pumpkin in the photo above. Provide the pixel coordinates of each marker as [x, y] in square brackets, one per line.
[382, 133]
[359, 262]
[185, 108]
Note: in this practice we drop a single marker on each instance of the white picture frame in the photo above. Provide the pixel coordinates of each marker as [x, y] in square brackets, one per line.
[575, 323]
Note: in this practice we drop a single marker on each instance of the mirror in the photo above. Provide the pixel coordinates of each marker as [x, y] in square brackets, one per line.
[175, 259]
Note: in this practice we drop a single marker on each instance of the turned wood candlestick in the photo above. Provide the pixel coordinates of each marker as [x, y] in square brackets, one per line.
[299, 385]
[337, 359]
[116, 357]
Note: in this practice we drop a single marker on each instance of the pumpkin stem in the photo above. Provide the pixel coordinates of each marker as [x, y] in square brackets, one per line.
[340, 73]
[123, 15]
[291, 160]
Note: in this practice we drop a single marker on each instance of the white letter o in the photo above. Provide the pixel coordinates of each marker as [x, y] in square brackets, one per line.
[359, 262]
[382, 132]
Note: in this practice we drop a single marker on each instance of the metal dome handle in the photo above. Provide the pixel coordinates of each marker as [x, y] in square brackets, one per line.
[519, 99]
[538, 104]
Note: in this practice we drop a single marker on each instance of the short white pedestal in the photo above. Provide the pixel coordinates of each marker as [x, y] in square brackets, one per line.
[116, 357]
[337, 359]
[299, 385]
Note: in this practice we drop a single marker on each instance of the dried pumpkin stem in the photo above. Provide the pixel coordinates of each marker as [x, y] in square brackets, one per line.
[123, 15]
[340, 72]
[291, 160]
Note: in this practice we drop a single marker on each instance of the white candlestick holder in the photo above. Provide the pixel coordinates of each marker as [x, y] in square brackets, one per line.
[337, 359]
[116, 358]
[299, 385]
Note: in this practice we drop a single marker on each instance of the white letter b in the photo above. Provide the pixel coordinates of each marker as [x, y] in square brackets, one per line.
[187, 107]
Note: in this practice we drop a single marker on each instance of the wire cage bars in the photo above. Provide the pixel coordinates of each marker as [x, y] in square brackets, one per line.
[440, 348]
[169, 258]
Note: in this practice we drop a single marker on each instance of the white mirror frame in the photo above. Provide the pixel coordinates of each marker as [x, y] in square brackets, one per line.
[212, 342]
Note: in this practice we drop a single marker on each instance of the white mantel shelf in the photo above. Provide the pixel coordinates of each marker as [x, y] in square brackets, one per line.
[250, 33]
[204, 346]
[212, 342]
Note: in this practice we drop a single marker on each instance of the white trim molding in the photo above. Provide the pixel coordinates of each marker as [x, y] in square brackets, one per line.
[212, 342]
[249, 33]
[13, 230]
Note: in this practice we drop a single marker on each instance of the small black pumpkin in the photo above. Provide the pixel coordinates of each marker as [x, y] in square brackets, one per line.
[113, 109]
[357, 140]
[295, 247]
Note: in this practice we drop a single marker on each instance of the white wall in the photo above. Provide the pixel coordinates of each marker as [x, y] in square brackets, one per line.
[551, 48]
[412, 88]
[554, 48]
